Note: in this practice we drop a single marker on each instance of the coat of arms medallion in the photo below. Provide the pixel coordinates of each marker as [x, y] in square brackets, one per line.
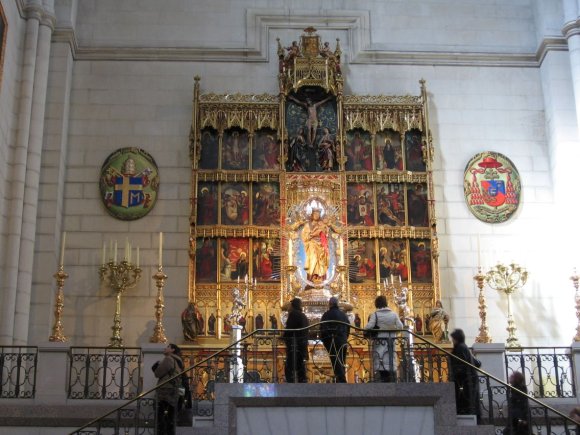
[129, 183]
[492, 187]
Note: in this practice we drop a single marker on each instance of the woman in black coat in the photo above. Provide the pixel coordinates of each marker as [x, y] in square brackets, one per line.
[518, 408]
[296, 343]
[465, 377]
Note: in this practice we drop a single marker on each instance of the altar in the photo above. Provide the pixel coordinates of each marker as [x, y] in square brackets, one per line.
[310, 193]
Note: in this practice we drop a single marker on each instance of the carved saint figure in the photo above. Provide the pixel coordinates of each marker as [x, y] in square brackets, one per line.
[438, 320]
[315, 237]
[192, 322]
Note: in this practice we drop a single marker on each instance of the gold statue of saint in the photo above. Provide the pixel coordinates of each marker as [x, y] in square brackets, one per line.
[315, 235]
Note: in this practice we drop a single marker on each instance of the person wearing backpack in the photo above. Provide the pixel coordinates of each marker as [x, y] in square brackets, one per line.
[168, 393]
[384, 355]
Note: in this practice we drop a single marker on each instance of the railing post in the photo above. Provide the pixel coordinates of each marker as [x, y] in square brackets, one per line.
[52, 384]
[492, 358]
[152, 352]
[575, 350]
[237, 365]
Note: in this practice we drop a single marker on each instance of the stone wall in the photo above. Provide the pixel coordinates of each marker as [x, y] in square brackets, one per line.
[121, 74]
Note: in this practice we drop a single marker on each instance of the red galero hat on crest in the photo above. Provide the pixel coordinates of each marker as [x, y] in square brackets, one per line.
[489, 162]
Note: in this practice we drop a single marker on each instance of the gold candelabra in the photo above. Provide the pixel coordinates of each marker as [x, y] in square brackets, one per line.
[508, 279]
[57, 329]
[159, 331]
[120, 277]
[483, 336]
[574, 279]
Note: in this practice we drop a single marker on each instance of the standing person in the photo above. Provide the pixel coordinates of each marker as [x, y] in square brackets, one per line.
[296, 343]
[334, 337]
[465, 377]
[384, 357]
[518, 407]
[167, 395]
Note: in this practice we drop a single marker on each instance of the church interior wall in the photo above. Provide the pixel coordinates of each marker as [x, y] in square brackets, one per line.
[116, 102]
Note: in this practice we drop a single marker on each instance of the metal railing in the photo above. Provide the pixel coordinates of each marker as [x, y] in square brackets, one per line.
[548, 371]
[260, 357]
[104, 373]
[18, 365]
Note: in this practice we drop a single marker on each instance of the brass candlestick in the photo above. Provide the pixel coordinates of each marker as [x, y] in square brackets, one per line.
[159, 331]
[120, 277]
[508, 279]
[483, 336]
[574, 279]
[57, 329]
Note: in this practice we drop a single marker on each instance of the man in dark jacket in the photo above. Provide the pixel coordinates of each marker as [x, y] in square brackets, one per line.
[296, 343]
[167, 394]
[334, 337]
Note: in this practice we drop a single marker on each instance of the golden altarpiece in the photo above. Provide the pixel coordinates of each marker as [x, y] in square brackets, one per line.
[310, 193]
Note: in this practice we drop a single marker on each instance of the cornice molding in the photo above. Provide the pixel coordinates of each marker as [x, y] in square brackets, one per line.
[571, 28]
[29, 11]
[355, 24]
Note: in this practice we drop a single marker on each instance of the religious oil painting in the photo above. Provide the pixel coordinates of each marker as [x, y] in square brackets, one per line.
[235, 151]
[311, 121]
[234, 259]
[205, 260]
[358, 150]
[389, 154]
[360, 204]
[266, 259]
[391, 204]
[235, 204]
[209, 153]
[418, 205]
[492, 187]
[361, 261]
[393, 260]
[207, 204]
[265, 151]
[414, 151]
[129, 183]
[266, 202]
[421, 261]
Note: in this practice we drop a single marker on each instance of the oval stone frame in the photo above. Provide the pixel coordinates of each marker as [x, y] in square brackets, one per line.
[129, 183]
[492, 187]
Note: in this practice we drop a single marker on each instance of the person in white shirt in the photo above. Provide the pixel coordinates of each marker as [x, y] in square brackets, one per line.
[384, 355]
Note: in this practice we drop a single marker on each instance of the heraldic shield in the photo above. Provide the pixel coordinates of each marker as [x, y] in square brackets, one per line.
[492, 187]
[129, 183]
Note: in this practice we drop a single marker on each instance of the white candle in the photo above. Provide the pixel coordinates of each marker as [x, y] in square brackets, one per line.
[110, 249]
[115, 253]
[246, 279]
[400, 279]
[478, 252]
[392, 282]
[160, 249]
[104, 259]
[290, 252]
[130, 249]
[126, 253]
[62, 245]
[137, 257]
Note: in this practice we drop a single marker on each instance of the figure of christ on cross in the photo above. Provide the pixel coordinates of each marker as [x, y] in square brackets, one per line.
[312, 116]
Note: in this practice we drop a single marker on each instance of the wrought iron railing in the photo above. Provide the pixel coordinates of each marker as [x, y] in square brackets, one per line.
[104, 373]
[260, 358]
[18, 372]
[548, 371]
